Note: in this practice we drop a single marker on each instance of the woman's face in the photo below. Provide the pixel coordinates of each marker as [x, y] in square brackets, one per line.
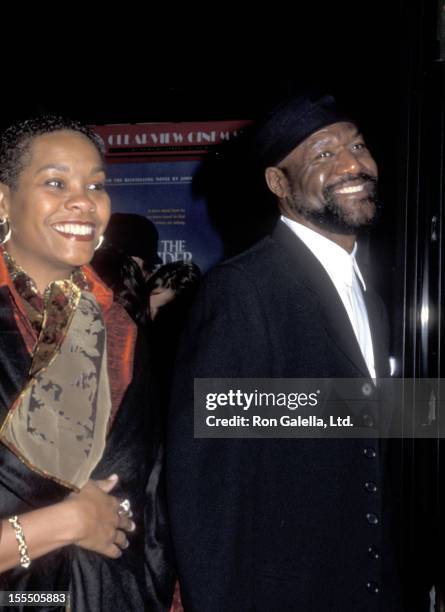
[60, 207]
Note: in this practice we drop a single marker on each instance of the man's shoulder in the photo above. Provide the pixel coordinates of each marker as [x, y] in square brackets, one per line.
[244, 274]
[259, 256]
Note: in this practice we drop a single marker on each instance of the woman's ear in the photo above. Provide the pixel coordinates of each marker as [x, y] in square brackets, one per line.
[276, 181]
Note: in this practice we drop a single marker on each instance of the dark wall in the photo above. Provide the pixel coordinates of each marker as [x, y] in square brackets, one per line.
[224, 67]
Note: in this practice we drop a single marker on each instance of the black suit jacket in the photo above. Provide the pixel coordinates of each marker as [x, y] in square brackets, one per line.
[271, 524]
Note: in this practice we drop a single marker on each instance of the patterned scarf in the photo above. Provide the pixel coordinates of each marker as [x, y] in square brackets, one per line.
[57, 425]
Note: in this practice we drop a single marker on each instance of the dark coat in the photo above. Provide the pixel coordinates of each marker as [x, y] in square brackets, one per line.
[277, 524]
[141, 579]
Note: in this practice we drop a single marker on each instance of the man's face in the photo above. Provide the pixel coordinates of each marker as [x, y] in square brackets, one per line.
[332, 180]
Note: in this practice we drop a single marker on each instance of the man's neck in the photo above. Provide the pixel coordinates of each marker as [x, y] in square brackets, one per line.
[345, 241]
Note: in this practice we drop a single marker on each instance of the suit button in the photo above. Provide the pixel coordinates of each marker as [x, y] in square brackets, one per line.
[371, 487]
[367, 389]
[373, 552]
[368, 421]
[373, 587]
[372, 519]
[369, 452]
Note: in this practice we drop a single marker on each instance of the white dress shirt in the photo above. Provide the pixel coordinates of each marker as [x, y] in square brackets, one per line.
[344, 272]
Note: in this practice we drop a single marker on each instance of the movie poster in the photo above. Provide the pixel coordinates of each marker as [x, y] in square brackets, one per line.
[150, 170]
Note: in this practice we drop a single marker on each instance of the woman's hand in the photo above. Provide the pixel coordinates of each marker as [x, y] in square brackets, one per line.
[92, 519]
[99, 523]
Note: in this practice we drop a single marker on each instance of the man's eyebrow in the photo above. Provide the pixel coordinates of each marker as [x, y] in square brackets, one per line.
[330, 139]
[322, 141]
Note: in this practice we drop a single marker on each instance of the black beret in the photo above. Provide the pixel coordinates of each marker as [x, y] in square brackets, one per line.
[291, 122]
[135, 235]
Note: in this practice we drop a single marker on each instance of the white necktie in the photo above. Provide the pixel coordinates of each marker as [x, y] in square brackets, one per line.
[360, 323]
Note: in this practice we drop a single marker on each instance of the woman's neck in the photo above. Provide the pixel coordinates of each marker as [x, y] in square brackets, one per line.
[40, 277]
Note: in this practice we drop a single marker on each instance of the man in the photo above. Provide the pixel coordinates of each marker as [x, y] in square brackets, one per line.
[278, 524]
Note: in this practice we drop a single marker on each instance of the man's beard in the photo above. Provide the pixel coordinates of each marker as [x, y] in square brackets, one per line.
[333, 217]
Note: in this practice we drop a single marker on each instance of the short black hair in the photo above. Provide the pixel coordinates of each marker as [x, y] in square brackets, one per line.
[15, 142]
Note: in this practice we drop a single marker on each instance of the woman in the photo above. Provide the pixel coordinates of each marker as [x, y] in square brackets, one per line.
[80, 486]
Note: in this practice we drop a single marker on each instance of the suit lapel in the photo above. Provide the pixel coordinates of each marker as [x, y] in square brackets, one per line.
[379, 333]
[303, 267]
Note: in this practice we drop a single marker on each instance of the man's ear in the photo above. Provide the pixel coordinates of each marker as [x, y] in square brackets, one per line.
[277, 181]
[4, 200]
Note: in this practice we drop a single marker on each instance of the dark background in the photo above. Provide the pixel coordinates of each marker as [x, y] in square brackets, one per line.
[223, 66]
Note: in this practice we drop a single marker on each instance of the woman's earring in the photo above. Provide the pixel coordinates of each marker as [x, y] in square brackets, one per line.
[6, 227]
[99, 244]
